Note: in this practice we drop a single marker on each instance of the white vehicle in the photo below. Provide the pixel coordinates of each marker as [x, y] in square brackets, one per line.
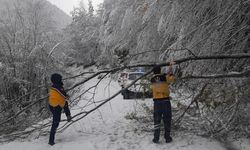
[140, 89]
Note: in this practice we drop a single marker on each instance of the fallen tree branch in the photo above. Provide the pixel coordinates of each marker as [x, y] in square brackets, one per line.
[179, 61]
[104, 102]
[215, 76]
[90, 72]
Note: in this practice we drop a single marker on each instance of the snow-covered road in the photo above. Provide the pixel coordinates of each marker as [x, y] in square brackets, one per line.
[107, 129]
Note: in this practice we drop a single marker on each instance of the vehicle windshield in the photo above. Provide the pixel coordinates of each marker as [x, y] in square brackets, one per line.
[133, 76]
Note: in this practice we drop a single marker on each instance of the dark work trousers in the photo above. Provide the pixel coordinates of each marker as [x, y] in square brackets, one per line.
[66, 109]
[56, 112]
[162, 110]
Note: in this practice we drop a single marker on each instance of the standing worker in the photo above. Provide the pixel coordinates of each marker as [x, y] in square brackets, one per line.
[162, 106]
[57, 102]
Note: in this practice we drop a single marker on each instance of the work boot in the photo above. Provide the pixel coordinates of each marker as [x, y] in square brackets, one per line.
[69, 118]
[155, 140]
[51, 143]
[169, 139]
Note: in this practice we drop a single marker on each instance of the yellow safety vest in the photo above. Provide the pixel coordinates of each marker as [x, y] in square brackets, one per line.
[160, 86]
[56, 98]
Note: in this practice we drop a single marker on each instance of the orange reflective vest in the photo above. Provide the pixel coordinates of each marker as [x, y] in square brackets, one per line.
[160, 86]
[56, 98]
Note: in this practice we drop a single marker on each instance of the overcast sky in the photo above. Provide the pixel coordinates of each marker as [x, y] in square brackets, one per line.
[68, 5]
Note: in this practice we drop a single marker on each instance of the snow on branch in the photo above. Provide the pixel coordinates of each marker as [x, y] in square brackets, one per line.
[215, 76]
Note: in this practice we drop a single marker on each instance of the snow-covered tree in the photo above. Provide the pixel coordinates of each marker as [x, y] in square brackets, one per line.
[83, 35]
[27, 33]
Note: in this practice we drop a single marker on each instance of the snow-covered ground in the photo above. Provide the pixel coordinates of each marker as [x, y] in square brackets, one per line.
[107, 129]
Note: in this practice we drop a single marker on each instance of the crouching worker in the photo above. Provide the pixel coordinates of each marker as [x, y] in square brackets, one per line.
[57, 102]
[162, 106]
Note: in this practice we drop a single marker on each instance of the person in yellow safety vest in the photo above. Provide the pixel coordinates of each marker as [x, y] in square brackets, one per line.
[57, 102]
[162, 107]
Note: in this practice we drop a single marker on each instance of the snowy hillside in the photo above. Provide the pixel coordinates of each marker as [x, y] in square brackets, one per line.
[61, 19]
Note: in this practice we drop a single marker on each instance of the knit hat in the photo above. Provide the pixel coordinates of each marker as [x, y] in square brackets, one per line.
[56, 79]
[157, 69]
